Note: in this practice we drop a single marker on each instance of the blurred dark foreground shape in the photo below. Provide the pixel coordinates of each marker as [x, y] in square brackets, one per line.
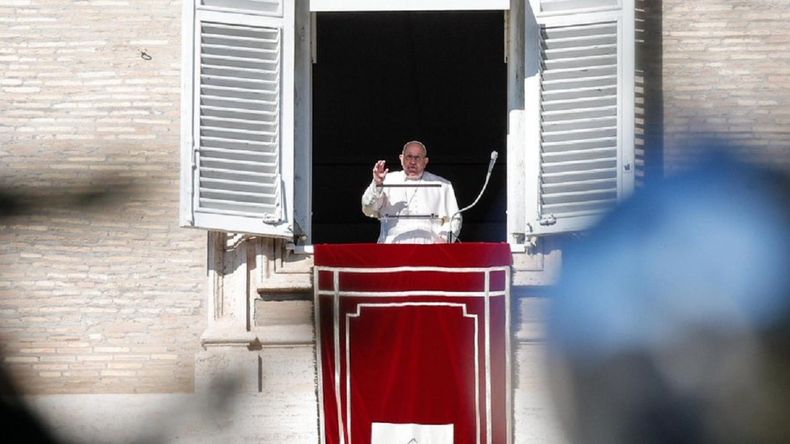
[92, 194]
[671, 322]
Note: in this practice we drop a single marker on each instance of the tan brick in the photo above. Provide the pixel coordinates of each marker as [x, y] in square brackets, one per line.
[37, 351]
[110, 349]
[20, 359]
[50, 367]
[124, 365]
[121, 373]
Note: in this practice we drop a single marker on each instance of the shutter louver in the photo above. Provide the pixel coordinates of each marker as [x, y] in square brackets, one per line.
[238, 106]
[578, 159]
[239, 120]
[550, 6]
[266, 7]
[581, 111]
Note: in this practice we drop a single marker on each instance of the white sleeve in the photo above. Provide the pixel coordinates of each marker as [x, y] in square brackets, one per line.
[454, 221]
[372, 200]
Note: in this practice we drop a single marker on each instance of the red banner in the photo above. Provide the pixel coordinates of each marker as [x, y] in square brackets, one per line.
[413, 339]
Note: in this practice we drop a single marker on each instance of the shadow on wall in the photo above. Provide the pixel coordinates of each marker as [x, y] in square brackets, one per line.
[17, 416]
[91, 194]
[171, 419]
[19, 201]
[671, 322]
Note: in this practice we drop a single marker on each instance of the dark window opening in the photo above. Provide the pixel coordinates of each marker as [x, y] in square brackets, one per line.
[382, 79]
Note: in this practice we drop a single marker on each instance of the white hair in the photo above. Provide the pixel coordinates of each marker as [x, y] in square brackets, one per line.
[415, 142]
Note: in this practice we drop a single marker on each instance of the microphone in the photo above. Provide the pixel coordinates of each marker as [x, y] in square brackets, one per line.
[494, 156]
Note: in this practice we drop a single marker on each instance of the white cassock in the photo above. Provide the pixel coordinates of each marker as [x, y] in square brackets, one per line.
[413, 214]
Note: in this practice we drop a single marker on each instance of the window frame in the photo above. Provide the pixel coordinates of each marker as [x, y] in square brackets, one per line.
[407, 5]
[523, 135]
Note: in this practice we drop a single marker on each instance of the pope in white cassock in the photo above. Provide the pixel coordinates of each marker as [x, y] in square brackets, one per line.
[413, 205]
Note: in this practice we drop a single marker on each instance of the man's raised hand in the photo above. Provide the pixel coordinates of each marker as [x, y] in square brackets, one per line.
[379, 172]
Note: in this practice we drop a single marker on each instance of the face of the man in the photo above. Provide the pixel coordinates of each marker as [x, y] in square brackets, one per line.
[414, 161]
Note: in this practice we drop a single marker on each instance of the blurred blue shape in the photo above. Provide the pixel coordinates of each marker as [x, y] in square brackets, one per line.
[707, 249]
[671, 320]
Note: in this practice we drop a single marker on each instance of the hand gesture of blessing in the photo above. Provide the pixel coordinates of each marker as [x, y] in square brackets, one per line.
[379, 172]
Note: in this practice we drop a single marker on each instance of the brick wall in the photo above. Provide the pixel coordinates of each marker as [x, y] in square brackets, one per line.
[96, 295]
[109, 297]
[726, 74]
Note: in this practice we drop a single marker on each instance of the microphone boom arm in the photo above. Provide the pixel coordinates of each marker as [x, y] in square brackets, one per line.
[494, 156]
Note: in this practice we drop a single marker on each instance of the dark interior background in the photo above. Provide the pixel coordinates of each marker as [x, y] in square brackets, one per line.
[382, 79]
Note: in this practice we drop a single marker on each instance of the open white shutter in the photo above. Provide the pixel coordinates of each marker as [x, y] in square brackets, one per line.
[582, 154]
[238, 116]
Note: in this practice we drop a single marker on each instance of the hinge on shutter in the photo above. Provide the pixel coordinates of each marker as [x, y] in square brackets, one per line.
[190, 216]
[299, 233]
[271, 219]
[548, 220]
